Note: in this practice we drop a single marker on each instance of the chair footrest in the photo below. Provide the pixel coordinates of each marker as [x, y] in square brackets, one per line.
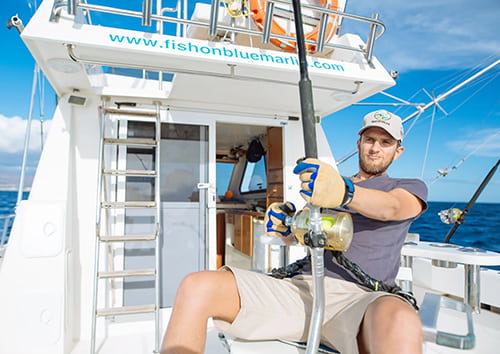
[428, 313]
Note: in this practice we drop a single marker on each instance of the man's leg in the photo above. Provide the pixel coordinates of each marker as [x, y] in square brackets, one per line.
[390, 325]
[200, 296]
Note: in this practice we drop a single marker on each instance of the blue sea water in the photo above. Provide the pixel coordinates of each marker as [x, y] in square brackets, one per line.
[481, 228]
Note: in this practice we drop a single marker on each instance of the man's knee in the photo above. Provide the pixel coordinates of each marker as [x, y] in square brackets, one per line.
[209, 294]
[195, 284]
[206, 286]
[397, 312]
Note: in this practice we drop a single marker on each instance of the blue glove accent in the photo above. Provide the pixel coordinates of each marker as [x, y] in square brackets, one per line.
[280, 216]
[307, 167]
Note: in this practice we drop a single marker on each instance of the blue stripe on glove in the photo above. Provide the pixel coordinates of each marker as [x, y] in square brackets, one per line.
[307, 167]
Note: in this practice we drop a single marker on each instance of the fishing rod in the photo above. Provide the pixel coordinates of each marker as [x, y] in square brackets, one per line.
[434, 101]
[471, 202]
[316, 236]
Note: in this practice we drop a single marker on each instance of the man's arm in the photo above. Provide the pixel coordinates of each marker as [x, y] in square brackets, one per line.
[397, 204]
[323, 186]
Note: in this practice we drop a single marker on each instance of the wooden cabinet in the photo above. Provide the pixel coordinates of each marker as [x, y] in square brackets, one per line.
[274, 159]
[243, 234]
[242, 224]
[221, 239]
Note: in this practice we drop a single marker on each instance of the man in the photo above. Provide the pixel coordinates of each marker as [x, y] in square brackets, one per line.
[254, 306]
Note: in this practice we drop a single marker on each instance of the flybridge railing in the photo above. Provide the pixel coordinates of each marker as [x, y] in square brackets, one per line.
[375, 30]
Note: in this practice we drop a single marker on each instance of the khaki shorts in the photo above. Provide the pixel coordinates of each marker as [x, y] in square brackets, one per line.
[281, 309]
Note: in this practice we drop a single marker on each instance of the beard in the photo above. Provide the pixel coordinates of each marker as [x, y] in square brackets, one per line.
[374, 168]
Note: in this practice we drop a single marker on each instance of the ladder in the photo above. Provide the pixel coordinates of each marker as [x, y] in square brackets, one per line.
[111, 223]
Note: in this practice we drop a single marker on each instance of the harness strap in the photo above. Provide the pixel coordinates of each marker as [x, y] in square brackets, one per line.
[371, 283]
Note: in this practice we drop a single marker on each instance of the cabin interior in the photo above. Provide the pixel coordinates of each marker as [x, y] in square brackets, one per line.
[249, 177]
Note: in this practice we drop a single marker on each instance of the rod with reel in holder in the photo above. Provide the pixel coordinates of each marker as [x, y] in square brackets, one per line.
[316, 238]
[460, 219]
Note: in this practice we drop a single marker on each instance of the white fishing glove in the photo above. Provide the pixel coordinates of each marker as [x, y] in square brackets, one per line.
[322, 185]
[274, 221]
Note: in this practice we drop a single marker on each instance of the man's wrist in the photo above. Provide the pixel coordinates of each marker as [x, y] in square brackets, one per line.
[349, 191]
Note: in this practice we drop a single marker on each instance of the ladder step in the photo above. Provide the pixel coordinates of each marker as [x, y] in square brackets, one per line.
[127, 273]
[131, 142]
[136, 113]
[133, 173]
[125, 310]
[128, 238]
[110, 205]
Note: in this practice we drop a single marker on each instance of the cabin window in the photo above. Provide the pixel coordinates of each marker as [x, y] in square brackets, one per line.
[254, 177]
[224, 171]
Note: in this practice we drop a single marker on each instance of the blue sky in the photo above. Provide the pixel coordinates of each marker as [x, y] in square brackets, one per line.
[432, 44]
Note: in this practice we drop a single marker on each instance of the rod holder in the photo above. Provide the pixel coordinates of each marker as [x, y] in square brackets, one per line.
[268, 21]
[72, 4]
[147, 11]
[214, 16]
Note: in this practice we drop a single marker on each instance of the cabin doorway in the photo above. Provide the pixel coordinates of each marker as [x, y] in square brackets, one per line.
[183, 239]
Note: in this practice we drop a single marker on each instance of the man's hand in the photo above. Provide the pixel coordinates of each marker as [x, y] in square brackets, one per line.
[321, 184]
[275, 217]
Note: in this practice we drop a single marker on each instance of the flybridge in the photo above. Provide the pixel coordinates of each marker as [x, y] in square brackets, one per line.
[235, 59]
[224, 51]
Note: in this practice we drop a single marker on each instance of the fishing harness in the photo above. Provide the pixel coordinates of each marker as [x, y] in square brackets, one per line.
[371, 283]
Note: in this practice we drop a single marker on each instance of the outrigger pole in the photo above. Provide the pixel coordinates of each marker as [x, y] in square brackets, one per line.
[471, 202]
[435, 101]
[316, 239]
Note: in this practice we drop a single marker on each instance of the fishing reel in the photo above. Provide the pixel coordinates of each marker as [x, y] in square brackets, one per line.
[337, 229]
[450, 216]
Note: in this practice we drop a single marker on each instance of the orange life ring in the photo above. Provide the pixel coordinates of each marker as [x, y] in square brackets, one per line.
[257, 7]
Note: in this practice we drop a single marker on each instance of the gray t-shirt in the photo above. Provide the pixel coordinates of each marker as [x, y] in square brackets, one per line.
[376, 245]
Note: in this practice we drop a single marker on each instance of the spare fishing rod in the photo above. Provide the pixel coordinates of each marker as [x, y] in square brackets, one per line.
[317, 238]
[459, 219]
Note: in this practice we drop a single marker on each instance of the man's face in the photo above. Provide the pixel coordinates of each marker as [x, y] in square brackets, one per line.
[377, 149]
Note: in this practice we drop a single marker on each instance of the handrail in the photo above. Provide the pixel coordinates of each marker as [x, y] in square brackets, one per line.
[6, 225]
[231, 75]
[376, 28]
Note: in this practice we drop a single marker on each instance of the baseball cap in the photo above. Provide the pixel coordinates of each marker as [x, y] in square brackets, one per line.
[388, 121]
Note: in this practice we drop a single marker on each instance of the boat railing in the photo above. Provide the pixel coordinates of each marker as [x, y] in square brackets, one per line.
[6, 222]
[375, 27]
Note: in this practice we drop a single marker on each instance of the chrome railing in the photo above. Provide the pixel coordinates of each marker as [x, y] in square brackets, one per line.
[6, 222]
[375, 27]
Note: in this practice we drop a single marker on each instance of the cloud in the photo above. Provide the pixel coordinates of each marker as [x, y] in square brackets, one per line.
[485, 142]
[13, 131]
[429, 34]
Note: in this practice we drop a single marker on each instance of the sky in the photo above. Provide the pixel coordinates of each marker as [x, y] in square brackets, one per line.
[433, 45]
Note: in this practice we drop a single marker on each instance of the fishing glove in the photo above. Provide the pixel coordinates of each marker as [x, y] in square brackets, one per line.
[322, 185]
[274, 221]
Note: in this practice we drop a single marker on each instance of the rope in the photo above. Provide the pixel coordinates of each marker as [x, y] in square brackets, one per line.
[428, 140]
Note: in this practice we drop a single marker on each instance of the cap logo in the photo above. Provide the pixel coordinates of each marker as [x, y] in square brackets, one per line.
[382, 116]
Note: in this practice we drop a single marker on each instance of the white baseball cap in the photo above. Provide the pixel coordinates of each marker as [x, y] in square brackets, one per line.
[388, 121]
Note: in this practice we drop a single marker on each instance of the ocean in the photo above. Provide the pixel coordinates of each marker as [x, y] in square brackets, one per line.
[481, 228]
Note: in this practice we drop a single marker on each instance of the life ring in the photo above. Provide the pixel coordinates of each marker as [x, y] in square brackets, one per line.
[257, 7]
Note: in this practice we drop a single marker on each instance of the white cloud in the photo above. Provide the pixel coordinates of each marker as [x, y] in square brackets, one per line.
[485, 142]
[429, 34]
[13, 131]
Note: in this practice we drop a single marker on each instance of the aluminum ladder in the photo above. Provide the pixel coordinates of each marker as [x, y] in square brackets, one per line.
[111, 206]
